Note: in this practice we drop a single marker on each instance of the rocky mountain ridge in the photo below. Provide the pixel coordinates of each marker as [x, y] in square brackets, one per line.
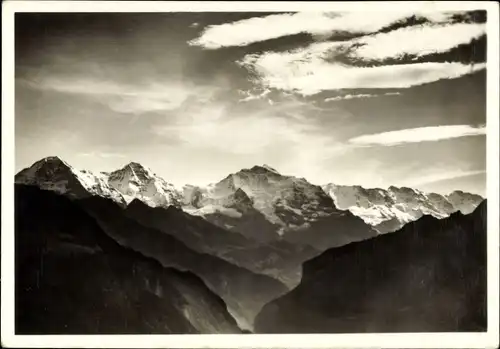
[430, 276]
[389, 209]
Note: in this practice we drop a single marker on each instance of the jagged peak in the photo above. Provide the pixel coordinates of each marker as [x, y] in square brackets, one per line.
[134, 165]
[401, 189]
[136, 168]
[47, 162]
[52, 160]
[269, 168]
[262, 169]
[461, 193]
[354, 186]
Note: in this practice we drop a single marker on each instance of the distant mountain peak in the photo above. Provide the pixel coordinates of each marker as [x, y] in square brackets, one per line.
[402, 189]
[388, 210]
[133, 170]
[135, 165]
[463, 193]
[262, 169]
[136, 181]
[53, 173]
[50, 160]
[45, 167]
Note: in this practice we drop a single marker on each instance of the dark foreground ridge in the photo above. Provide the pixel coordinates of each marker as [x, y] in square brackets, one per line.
[430, 276]
[72, 278]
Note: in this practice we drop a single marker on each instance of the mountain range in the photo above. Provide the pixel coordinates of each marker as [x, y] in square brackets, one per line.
[389, 210]
[277, 203]
[244, 239]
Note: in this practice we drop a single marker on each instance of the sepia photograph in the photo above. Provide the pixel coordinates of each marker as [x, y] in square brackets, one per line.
[203, 170]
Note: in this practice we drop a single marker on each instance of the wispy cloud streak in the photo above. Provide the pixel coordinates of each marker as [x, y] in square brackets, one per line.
[417, 135]
[362, 95]
[248, 31]
[310, 70]
[307, 72]
[124, 98]
[416, 40]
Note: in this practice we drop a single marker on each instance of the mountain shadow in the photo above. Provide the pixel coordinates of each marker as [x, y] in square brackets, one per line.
[281, 260]
[430, 276]
[72, 278]
[244, 291]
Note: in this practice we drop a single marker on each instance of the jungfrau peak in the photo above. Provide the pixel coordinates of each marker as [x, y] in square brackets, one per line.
[277, 197]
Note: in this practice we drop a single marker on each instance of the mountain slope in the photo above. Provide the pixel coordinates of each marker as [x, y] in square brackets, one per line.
[72, 278]
[243, 291]
[261, 203]
[278, 259]
[256, 218]
[388, 210]
[428, 277]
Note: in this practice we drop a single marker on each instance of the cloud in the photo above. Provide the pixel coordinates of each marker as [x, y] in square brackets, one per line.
[307, 72]
[292, 143]
[251, 97]
[416, 40]
[248, 31]
[362, 95]
[417, 135]
[125, 98]
[332, 65]
[216, 127]
[442, 176]
[347, 97]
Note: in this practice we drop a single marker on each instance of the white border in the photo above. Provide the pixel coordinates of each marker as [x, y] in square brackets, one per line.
[488, 339]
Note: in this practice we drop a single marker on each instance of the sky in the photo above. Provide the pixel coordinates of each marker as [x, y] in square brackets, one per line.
[399, 99]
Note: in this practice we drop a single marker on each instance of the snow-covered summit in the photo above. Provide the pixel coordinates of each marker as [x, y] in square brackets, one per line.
[135, 181]
[262, 169]
[465, 202]
[274, 195]
[388, 210]
[252, 194]
[55, 174]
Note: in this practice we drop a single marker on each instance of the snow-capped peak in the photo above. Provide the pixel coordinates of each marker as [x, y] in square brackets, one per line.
[43, 169]
[388, 210]
[53, 173]
[274, 195]
[135, 181]
[133, 171]
[262, 169]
